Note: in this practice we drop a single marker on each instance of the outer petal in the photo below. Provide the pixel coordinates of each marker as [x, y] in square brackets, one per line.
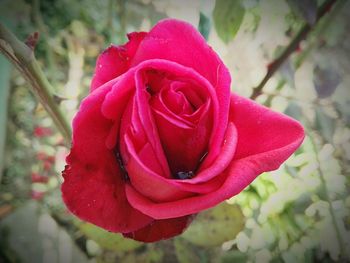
[178, 41]
[161, 229]
[93, 188]
[115, 60]
[265, 140]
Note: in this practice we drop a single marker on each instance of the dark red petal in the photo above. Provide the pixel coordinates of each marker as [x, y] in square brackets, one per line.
[221, 162]
[161, 229]
[265, 140]
[146, 181]
[145, 111]
[115, 60]
[93, 187]
[184, 147]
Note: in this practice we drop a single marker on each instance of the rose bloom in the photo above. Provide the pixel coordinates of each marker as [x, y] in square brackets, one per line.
[160, 137]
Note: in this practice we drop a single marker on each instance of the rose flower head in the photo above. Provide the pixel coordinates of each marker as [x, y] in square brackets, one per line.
[160, 137]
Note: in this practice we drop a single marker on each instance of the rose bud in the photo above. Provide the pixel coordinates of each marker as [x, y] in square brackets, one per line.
[160, 137]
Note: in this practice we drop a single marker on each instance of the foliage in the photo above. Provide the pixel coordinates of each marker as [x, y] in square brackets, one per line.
[228, 16]
[215, 226]
[299, 213]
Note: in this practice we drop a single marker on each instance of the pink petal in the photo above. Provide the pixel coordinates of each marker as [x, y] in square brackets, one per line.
[264, 132]
[222, 161]
[178, 41]
[174, 69]
[192, 143]
[115, 60]
[146, 181]
[265, 140]
[93, 187]
[161, 229]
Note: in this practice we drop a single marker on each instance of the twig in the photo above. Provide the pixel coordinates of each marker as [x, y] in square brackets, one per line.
[319, 30]
[24, 60]
[302, 34]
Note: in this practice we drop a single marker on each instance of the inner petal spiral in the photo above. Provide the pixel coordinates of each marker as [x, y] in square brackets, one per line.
[181, 112]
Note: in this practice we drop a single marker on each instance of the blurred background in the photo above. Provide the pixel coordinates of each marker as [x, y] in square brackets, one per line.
[299, 213]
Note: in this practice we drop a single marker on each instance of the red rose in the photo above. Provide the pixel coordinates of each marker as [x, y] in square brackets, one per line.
[160, 137]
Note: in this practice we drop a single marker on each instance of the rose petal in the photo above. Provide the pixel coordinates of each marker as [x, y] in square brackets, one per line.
[161, 229]
[114, 105]
[147, 182]
[261, 130]
[146, 116]
[178, 41]
[265, 140]
[115, 60]
[93, 188]
[185, 155]
[222, 161]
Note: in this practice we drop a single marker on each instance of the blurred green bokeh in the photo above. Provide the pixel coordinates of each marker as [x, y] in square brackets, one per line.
[299, 213]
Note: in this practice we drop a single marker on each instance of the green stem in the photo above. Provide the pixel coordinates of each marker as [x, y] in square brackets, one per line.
[24, 60]
[39, 22]
[122, 19]
[294, 44]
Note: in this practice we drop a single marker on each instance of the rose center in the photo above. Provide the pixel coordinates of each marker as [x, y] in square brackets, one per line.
[184, 175]
[182, 116]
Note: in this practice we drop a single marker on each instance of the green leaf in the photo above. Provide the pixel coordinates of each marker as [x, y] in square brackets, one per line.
[293, 110]
[326, 80]
[325, 125]
[215, 226]
[204, 25]
[185, 252]
[234, 256]
[152, 254]
[108, 240]
[228, 16]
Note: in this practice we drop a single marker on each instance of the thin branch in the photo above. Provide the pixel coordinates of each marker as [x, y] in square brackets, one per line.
[318, 31]
[22, 57]
[302, 34]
